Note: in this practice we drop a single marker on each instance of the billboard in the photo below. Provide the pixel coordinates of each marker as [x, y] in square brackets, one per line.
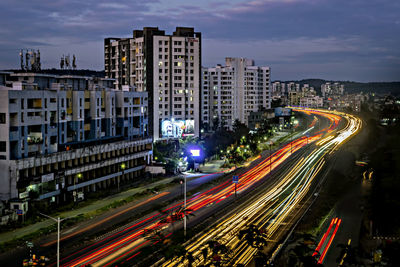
[175, 128]
[283, 112]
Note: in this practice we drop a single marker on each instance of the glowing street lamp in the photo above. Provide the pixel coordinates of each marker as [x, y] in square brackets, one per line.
[122, 166]
[77, 176]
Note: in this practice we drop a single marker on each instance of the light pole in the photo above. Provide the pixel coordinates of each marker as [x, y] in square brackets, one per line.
[79, 176]
[123, 166]
[184, 209]
[270, 155]
[58, 221]
[291, 145]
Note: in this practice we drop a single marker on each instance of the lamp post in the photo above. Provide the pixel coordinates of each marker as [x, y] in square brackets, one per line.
[270, 155]
[123, 166]
[58, 221]
[184, 208]
[78, 176]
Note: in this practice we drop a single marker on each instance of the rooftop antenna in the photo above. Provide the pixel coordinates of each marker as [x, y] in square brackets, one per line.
[27, 56]
[74, 62]
[21, 55]
[62, 62]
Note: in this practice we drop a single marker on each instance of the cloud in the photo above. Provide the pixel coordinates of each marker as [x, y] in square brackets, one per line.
[307, 35]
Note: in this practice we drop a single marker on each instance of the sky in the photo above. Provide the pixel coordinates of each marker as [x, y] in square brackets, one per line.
[356, 40]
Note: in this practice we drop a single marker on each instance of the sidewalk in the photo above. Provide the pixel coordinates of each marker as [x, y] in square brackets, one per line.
[212, 166]
[209, 167]
[92, 207]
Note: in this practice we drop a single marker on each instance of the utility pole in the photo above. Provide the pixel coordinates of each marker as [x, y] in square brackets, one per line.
[184, 209]
[123, 166]
[270, 155]
[58, 220]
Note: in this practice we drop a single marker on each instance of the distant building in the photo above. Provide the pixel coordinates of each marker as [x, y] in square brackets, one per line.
[65, 136]
[258, 118]
[233, 91]
[306, 97]
[293, 87]
[168, 67]
[332, 89]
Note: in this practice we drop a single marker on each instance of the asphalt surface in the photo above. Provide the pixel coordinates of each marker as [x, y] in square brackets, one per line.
[80, 244]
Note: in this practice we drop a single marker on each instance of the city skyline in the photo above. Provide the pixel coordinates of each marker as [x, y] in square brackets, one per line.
[336, 40]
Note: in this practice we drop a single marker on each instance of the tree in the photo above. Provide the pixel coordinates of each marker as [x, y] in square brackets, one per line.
[215, 124]
[254, 237]
[302, 254]
[239, 129]
[216, 254]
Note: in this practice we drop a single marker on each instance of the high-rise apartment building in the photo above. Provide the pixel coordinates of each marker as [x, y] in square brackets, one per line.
[332, 89]
[64, 136]
[168, 67]
[231, 92]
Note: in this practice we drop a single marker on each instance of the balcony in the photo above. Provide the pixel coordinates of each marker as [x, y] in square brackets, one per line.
[34, 148]
[14, 135]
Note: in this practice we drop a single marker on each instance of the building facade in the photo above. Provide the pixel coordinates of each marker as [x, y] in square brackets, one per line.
[168, 67]
[332, 89]
[233, 91]
[65, 136]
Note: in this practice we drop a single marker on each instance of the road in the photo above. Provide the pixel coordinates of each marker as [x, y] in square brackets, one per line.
[126, 243]
[273, 210]
[275, 204]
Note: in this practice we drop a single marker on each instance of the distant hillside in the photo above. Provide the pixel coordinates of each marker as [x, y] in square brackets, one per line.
[355, 87]
[89, 73]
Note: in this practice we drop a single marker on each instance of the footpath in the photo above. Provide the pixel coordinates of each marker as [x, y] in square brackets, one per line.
[92, 208]
[96, 206]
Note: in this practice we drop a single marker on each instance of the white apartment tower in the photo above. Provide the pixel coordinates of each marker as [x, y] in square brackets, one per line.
[233, 91]
[168, 67]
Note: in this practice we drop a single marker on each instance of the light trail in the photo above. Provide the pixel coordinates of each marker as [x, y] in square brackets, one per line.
[269, 211]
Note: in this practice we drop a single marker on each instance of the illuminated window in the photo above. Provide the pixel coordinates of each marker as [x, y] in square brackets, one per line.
[179, 64]
[160, 63]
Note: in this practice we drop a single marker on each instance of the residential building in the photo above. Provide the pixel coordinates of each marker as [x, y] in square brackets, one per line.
[65, 136]
[232, 91]
[168, 67]
[306, 97]
[332, 89]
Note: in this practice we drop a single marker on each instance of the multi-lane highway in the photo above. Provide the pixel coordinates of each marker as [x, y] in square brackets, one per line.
[275, 208]
[271, 207]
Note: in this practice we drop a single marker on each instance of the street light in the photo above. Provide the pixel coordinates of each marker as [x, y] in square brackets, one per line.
[123, 166]
[270, 155]
[79, 176]
[184, 208]
[58, 221]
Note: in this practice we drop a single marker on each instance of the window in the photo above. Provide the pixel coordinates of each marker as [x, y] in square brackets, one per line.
[2, 118]
[22, 103]
[3, 146]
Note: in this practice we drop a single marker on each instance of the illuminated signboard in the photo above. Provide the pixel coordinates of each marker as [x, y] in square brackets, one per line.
[177, 128]
[195, 152]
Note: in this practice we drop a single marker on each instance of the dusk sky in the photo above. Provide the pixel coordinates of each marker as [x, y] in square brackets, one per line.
[356, 40]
